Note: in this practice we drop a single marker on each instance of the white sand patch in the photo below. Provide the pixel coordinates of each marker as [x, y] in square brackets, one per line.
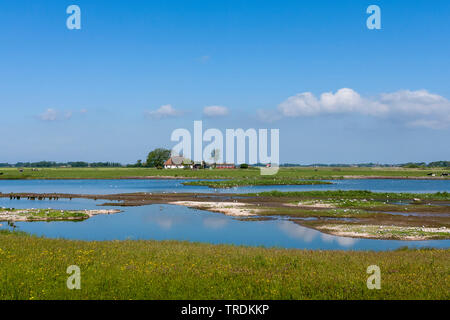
[236, 209]
[318, 205]
[97, 212]
[379, 232]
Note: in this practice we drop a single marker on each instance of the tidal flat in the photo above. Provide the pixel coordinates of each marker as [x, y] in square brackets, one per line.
[359, 214]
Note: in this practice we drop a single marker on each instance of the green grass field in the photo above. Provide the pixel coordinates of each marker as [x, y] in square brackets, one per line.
[43, 214]
[292, 173]
[354, 194]
[35, 268]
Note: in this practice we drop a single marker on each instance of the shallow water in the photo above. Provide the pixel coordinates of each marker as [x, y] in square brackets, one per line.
[164, 222]
[138, 185]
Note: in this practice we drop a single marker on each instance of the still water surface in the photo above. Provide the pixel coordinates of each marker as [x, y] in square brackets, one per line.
[170, 222]
[128, 186]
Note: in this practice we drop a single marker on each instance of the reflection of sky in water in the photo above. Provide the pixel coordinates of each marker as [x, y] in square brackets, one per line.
[308, 235]
[141, 185]
[164, 222]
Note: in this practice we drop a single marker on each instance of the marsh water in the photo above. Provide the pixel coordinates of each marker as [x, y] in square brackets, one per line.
[147, 185]
[170, 222]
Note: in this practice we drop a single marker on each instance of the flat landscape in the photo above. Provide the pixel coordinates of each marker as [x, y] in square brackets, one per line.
[207, 151]
[34, 267]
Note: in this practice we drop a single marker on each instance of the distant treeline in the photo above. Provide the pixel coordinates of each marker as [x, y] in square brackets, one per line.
[434, 164]
[53, 164]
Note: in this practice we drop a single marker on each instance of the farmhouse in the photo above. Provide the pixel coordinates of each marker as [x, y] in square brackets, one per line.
[177, 162]
[225, 166]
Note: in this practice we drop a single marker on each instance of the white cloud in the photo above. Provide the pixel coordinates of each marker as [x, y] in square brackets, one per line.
[164, 111]
[298, 232]
[342, 241]
[215, 223]
[343, 101]
[215, 111]
[48, 115]
[54, 115]
[204, 59]
[415, 108]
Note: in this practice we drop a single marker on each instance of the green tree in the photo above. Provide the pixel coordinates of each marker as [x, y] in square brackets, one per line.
[215, 156]
[157, 157]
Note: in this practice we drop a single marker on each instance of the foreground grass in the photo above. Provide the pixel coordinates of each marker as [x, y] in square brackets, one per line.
[293, 173]
[35, 268]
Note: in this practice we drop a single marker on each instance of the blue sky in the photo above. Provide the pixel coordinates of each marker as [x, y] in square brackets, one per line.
[337, 91]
